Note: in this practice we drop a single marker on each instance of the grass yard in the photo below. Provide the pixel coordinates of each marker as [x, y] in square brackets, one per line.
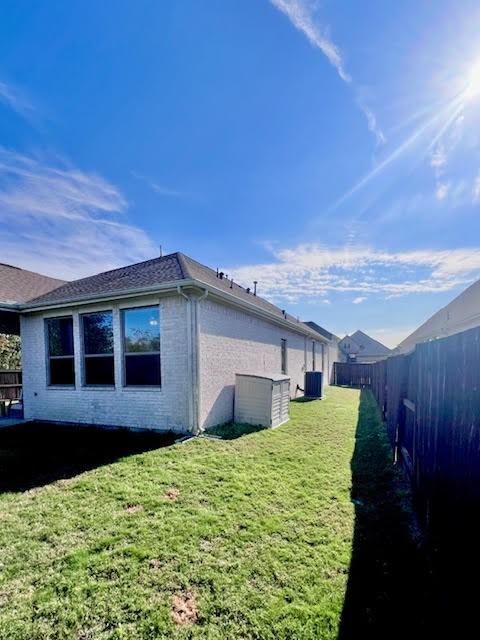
[296, 532]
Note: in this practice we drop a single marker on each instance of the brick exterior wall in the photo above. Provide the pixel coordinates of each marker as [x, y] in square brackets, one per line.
[162, 409]
[233, 341]
[229, 341]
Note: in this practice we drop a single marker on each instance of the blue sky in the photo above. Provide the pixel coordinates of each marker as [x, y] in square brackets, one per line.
[329, 150]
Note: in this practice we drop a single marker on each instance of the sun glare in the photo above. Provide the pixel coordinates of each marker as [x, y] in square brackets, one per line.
[472, 89]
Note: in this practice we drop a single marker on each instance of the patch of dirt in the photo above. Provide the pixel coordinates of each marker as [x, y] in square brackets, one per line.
[4, 515]
[173, 493]
[133, 508]
[155, 564]
[184, 608]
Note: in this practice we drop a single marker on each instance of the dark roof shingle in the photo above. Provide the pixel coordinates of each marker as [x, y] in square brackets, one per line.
[174, 267]
[19, 285]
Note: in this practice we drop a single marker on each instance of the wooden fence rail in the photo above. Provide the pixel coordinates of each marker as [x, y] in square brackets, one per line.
[352, 374]
[10, 387]
[430, 401]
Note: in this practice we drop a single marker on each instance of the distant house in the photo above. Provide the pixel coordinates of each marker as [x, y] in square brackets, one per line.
[459, 315]
[360, 347]
[154, 345]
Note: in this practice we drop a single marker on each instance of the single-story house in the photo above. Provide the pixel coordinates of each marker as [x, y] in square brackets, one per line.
[360, 347]
[462, 313]
[154, 345]
[330, 353]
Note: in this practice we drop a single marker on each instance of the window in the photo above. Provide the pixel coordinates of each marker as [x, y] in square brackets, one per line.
[284, 356]
[141, 335]
[313, 356]
[98, 348]
[61, 364]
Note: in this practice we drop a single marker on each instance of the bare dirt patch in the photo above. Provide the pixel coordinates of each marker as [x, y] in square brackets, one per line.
[133, 508]
[155, 564]
[184, 608]
[172, 494]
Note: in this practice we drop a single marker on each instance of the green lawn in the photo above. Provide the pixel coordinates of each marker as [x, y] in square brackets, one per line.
[250, 537]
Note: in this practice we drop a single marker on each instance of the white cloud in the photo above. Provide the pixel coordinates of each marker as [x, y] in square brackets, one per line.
[62, 221]
[158, 188]
[438, 157]
[476, 189]
[311, 271]
[301, 14]
[442, 190]
[12, 98]
[359, 300]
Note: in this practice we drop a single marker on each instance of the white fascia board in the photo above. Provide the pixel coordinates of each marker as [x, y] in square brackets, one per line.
[172, 287]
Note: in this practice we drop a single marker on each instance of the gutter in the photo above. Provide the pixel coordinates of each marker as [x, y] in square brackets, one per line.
[299, 327]
[193, 348]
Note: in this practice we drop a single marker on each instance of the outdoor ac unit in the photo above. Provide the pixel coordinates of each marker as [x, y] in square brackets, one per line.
[313, 384]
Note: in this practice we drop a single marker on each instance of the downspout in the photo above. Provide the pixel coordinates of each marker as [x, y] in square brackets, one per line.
[193, 360]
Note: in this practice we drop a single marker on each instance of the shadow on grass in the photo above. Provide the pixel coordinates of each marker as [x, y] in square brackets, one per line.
[33, 455]
[232, 431]
[389, 587]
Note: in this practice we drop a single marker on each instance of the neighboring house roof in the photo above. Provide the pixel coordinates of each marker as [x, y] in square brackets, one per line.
[368, 347]
[173, 269]
[323, 332]
[462, 313]
[19, 285]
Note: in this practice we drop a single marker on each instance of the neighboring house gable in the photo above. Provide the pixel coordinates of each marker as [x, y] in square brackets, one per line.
[18, 286]
[362, 348]
[459, 315]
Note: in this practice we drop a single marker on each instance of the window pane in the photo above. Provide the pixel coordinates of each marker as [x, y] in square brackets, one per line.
[142, 329]
[60, 336]
[62, 371]
[98, 332]
[142, 370]
[99, 370]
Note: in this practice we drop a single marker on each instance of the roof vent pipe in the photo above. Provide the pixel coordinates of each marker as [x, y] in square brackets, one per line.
[248, 289]
[217, 272]
[231, 283]
[255, 282]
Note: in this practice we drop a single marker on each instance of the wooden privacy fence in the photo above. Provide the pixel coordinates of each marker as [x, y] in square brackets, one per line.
[430, 401]
[352, 374]
[10, 387]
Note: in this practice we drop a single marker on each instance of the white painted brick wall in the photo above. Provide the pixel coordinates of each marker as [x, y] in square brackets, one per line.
[232, 341]
[164, 408]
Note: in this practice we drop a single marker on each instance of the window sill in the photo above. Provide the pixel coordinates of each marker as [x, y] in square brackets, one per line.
[66, 387]
[142, 388]
[98, 387]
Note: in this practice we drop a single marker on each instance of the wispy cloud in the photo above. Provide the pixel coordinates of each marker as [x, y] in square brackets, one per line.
[12, 98]
[158, 188]
[302, 14]
[63, 221]
[359, 300]
[310, 271]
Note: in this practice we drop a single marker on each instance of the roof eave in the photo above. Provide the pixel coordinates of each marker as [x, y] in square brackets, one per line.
[173, 285]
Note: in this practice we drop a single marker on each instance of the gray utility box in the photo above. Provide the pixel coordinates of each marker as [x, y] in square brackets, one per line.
[313, 384]
[262, 399]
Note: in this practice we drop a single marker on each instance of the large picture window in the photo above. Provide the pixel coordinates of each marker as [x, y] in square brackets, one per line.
[98, 348]
[61, 363]
[141, 335]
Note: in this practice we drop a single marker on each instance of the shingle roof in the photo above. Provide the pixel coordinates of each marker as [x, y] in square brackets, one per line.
[174, 267]
[323, 332]
[18, 285]
[369, 347]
